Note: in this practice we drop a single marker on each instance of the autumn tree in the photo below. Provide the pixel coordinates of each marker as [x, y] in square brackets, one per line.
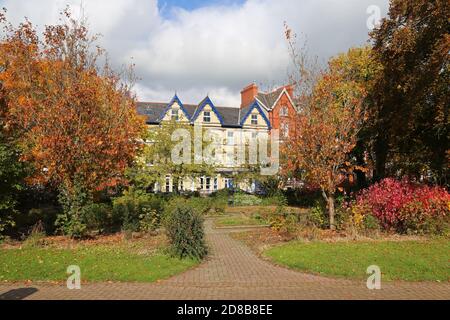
[410, 128]
[327, 129]
[360, 67]
[76, 120]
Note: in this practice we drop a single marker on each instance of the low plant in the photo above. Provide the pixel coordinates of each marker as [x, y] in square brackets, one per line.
[134, 206]
[284, 220]
[184, 228]
[243, 199]
[149, 220]
[219, 201]
[201, 205]
[276, 199]
[404, 206]
[36, 236]
[71, 226]
[318, 216]
[98, 218]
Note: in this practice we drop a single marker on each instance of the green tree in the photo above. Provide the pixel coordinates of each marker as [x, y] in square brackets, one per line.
[162, 145]
[12, 174]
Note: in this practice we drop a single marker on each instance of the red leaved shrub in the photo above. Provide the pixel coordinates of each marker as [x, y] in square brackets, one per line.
[406, 206]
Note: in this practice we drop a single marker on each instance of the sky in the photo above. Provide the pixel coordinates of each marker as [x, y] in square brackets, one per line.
[216, 48]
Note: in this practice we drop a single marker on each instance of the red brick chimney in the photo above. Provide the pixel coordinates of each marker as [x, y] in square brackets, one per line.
[248, 94]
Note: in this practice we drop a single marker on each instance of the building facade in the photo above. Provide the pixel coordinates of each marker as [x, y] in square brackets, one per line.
[258, 115]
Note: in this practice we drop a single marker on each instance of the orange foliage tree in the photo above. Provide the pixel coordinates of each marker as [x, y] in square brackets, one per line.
[326, 132]
[76, 121]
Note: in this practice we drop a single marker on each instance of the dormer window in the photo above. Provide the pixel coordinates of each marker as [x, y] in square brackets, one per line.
[284, 112]
[175, 115]
[207, 116]
[254, 120]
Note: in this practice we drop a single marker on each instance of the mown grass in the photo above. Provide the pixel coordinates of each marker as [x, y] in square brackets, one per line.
[97, 263]
[232, 221]
[398, 260]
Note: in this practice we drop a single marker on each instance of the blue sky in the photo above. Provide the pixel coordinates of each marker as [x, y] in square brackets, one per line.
[218, 47]
[195, 4]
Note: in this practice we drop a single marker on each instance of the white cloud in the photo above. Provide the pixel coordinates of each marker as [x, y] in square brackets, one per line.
[214, 49]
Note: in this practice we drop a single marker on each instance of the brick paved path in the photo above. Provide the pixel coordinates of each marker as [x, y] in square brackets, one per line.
[233, 271]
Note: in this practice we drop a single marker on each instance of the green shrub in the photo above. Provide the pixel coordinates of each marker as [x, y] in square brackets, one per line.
[75, 203]
[370, 223]
[91, 219]
[184, 228]
[219, 201]
[284, 220]
[200, 205]
[6, 221]
[243, 199]
[318, 215]
[98, 217]
[149, 220]
[276, 199]
[221, 194]
[134, 206]
[71, 226]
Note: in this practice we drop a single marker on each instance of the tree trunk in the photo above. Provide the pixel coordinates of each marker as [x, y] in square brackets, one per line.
[330, 205]
[331, 212]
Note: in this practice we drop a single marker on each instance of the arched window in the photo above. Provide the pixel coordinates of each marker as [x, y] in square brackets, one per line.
[284, 112]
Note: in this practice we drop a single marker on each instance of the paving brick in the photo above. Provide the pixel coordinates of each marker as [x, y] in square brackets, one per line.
[233, 271]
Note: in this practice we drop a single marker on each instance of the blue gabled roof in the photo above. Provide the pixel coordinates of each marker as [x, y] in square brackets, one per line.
[228, 117]
[247, 111]
[178, 101]
[202, 104]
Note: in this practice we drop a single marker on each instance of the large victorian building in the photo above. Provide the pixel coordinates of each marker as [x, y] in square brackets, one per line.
[258, 115]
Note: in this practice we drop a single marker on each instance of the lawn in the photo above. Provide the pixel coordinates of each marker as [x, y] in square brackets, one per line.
[97, 263]
[241, 220]
[398, 260]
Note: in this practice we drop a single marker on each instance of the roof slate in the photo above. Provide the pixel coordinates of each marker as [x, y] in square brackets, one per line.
[230, 116]
[154, 111]
[269, 99]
